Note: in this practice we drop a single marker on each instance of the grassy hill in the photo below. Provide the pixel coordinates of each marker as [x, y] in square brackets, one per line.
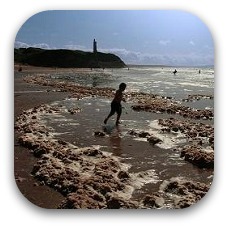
[66, 58]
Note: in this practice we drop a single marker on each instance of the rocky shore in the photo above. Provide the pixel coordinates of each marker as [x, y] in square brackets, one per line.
[89, 177]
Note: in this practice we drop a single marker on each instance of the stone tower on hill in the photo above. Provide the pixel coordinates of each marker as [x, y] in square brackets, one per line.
[94, 46]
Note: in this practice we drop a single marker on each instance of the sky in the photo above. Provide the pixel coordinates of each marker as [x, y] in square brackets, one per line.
[148, 37]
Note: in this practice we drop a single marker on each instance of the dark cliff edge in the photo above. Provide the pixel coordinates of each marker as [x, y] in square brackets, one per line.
[66, 58]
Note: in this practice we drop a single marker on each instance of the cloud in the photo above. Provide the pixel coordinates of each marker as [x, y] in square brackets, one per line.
[115, 33]
[190, 59]
[76, 47]
[164, 42]
[192, 43]
[19, 44]
[42, 46]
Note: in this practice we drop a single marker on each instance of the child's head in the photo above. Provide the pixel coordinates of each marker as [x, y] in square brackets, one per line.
[122, 86]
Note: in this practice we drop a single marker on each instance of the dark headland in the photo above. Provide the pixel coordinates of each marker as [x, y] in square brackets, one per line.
[63, 58]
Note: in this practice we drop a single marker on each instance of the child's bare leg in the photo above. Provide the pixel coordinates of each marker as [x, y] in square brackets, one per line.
[118, 119]
[106, 119]
[119, 112]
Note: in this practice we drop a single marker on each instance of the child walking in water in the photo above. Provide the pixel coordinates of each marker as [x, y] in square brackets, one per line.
[116, 104]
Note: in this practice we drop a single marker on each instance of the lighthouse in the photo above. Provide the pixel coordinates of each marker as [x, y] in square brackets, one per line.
[94, 46]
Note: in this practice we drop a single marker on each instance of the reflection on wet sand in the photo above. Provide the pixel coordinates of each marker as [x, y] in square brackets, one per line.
[115, 141]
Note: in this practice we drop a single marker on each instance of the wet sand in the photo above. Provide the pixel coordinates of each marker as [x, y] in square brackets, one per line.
[27, 96]
[30, 95]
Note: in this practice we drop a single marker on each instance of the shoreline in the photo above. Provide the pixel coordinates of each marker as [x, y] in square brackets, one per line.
[31, 188]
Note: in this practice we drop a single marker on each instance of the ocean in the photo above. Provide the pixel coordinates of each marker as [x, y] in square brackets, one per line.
[158, 80]
[155, 80]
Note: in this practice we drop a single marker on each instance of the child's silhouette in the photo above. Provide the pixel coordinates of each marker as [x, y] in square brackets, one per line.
[116, 104]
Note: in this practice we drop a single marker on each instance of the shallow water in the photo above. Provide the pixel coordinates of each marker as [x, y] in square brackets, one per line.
[162, 159]
[156, 80]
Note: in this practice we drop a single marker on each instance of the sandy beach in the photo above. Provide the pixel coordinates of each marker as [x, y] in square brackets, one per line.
[91, 169]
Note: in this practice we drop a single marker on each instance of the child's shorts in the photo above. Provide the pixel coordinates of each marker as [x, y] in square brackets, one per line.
[116, 107]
